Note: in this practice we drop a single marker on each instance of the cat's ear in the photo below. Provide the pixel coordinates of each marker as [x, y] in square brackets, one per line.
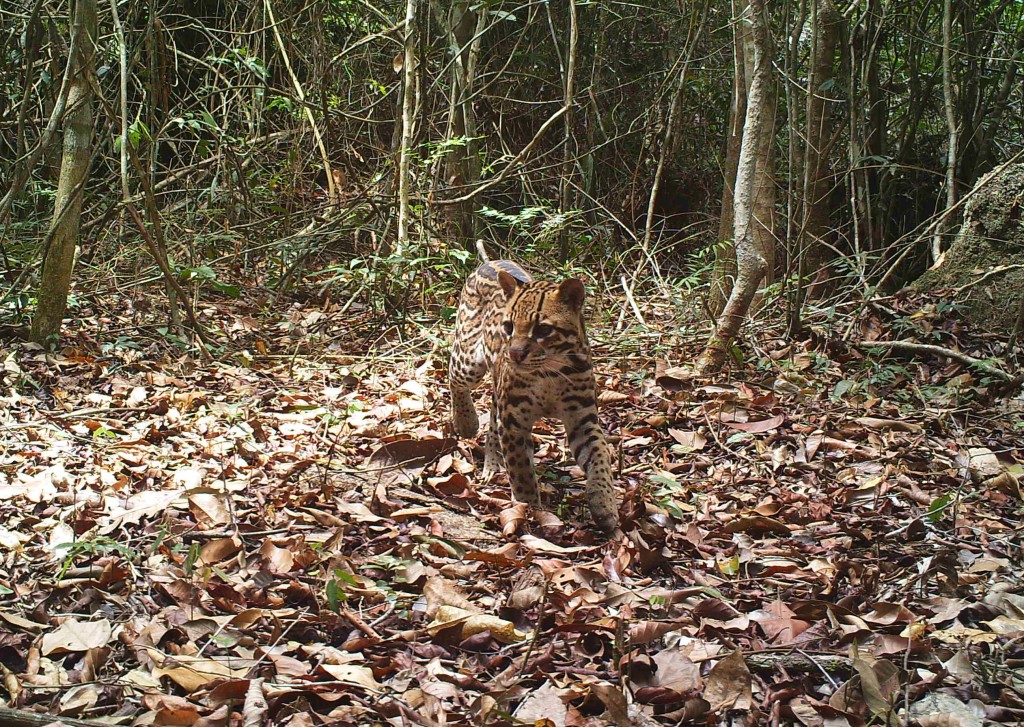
[508, 283]
[571, 292]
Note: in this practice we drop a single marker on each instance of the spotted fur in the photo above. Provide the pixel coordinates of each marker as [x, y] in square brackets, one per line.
[531, 337]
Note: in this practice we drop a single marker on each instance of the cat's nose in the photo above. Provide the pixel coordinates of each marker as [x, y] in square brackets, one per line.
[517, 354]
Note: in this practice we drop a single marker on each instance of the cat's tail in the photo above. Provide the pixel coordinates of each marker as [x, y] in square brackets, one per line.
[481, 251]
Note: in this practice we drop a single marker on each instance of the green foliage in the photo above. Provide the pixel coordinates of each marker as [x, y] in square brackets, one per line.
[205, 275]
[536, 227]
[93, 547]
[938, 507]
[334, 589]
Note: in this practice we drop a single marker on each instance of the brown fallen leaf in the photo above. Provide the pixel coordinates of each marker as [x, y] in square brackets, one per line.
[352, 674]
[410, 453]
[474, 623]
[211, 509]
[879, 682]
[439, 591]
[78, 699]
[728, 684]
[216, 551]
[534, 543]
[193, 672]
[688, 441]
[543, 704]
[671, 379]
[896, 425]
[75, 635]
[758, 427]
[755, 523]
[279, 560]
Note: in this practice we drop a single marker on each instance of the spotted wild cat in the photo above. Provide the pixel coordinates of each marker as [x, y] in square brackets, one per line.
[531, 337]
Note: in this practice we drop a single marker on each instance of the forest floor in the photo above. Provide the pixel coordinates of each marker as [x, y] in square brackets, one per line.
[288, 536]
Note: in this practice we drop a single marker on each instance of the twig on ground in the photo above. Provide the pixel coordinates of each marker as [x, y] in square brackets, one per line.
[928, 349]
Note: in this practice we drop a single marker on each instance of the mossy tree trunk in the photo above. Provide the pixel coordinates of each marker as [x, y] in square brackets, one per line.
[983, 270]
[59, 256]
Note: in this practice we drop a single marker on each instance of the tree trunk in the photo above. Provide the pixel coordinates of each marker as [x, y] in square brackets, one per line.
[568, 148]
[751, 266]
[812, 254]
[762, 211]
[408, 109]
[59, 258]
[725, 250]
[951, 125]
[465, 26]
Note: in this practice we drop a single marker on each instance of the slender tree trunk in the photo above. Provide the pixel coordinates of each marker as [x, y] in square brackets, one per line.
[332, 192]
[59, 258]
[21, 170]
[812, 254]
[408, 108]
[951, 125]
[122, 56]
[751, 266]
[725, 250]
[763, 207]
[568, 148]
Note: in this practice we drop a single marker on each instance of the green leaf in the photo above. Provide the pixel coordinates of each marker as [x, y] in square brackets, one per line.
[334, 595]
[226, 288]
[842, 388]
[729, 566]
[208, 119]
[938, 506]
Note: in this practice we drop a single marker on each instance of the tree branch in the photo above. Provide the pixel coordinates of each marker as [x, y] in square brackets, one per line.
[927, 349]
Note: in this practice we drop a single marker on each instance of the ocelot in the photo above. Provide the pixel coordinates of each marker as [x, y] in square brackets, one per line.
[531, 336]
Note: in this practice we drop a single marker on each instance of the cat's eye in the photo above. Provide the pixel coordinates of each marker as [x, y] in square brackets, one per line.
[508, 327]
[542, 330]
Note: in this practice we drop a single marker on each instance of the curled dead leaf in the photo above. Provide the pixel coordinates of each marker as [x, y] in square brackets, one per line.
[473, 623]
[1006, 483]
[671, 378]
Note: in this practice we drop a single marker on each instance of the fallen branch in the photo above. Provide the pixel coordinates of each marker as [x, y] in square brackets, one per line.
[799, 662]
[927, 349]
[24, 718]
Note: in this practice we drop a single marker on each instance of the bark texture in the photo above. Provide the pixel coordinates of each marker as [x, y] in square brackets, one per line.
[816, 178]
[59, 258]
[985, 264]
[408, 114]
[761, 212]
[752, 176]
